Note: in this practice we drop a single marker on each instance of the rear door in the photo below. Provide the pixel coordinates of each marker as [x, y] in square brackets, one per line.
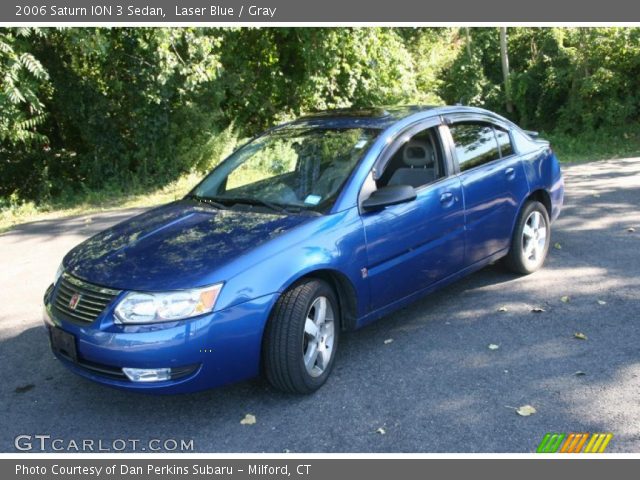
[493, 183]
[414, 244]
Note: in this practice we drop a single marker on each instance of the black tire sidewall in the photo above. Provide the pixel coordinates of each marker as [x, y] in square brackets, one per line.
[283, 343]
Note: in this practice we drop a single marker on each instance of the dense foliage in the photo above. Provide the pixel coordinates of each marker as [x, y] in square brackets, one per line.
[89, 108]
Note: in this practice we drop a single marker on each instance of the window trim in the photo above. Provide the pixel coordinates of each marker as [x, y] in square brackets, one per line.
[392, 147]
[394, 143]
[451, 120]
[513, 145]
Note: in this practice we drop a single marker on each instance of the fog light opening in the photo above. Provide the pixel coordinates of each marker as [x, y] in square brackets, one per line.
[147, 374]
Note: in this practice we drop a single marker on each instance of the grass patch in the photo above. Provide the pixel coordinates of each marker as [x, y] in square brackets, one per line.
[598, 145]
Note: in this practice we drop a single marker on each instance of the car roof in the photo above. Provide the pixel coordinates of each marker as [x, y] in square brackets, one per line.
[379, 117]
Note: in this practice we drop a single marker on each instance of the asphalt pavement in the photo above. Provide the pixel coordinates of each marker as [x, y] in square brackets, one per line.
[420, 380]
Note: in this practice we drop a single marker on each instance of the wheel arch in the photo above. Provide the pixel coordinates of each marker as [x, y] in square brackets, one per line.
[542, 196]
[344, 290]
[539, 195]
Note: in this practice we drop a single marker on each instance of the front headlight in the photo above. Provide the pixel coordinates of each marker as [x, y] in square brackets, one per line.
[138, 307]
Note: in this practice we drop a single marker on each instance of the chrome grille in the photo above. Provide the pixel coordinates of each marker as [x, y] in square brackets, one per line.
[91, 299]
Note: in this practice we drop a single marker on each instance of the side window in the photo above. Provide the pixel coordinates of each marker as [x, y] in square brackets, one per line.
[475, 144]
[504, 141]
[418, 161]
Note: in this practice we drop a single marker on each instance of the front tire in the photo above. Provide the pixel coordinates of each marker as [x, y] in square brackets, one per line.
[301, 338]
[531, 238]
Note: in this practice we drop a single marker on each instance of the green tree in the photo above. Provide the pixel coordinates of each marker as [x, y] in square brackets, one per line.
[95, 108]
[23, 84]
[136, 102]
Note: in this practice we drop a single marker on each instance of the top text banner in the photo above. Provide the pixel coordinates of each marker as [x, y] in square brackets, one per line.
[278, 11]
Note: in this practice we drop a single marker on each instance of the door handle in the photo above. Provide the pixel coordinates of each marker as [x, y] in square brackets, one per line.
[447, 198]
[510, 173]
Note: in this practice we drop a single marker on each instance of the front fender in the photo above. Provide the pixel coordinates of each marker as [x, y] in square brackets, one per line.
[333, 242]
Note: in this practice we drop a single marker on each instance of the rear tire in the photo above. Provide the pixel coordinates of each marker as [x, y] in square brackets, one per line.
[301, 338]
[531, 238]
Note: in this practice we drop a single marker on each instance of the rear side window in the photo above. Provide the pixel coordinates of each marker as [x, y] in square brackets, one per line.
[475, 144]
[504, 141]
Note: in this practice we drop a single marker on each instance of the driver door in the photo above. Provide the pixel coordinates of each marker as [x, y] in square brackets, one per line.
[412, 245]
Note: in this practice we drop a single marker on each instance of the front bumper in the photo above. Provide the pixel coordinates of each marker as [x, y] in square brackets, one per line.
[207, 351]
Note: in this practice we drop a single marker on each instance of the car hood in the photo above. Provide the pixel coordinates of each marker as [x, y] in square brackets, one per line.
[175, 246]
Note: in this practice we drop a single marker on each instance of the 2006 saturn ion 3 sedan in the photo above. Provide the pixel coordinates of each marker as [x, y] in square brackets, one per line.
[316, 227]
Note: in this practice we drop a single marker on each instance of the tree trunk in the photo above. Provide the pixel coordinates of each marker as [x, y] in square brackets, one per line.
[504, 56]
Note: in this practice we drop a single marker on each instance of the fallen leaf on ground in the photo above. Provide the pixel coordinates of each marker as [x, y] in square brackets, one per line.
[579, 336]
[503, 309]
[601, 302]
[557, 246]
[564, 299]
[579, 373]
[525, 410]
[248, 419]
[493, 346]
[388, 341]
[381, 431]
[538, 310]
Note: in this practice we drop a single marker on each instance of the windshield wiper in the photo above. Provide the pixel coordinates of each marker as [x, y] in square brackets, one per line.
[263, 203]
[276, 207]
[207, 201]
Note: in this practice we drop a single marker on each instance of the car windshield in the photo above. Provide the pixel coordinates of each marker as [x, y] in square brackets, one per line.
[295, 168]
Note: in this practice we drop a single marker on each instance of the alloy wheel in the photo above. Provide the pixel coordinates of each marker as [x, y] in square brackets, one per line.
[534, 238]
[319, 332]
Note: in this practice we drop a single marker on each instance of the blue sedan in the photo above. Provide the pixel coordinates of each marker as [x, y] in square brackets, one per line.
[314, 228]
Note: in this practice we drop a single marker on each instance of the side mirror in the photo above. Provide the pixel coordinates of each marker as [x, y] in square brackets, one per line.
[389, 195]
